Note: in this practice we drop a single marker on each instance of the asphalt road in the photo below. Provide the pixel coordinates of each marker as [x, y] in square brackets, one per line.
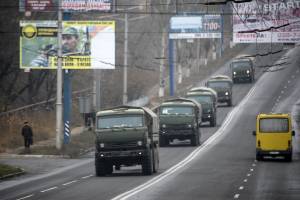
[223, 167]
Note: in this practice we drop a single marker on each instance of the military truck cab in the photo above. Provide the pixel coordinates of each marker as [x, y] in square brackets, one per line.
[179, 119]
[223, 86]
[242, 69]
[274, 136]
[126, 135]
[208, 101]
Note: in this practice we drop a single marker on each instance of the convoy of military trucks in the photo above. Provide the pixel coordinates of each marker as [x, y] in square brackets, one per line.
[128, 135]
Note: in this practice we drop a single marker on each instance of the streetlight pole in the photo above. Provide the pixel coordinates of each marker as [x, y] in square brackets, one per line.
[125, 97]
[59, 81]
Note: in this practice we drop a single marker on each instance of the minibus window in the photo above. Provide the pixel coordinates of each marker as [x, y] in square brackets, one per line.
[274, 125]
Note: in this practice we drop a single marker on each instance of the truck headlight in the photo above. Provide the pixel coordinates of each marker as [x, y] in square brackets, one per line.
[226, 93]
[102, 145]
[234, 73]
[247, 71]
[190, 125]
[139, 143]
[163, 126]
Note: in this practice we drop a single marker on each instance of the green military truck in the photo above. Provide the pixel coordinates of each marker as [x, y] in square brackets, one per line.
[223, 86]
[242, 69]
[126, 135]
[179, 118]
[207, 97]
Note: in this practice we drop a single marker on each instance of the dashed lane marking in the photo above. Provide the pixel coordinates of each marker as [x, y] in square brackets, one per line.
[85, 177]
[68, 183]
[53, 188]
[28, 196]
[248, 175]
[236, 196]
[251, 170]
[245, 180]
[241, 187]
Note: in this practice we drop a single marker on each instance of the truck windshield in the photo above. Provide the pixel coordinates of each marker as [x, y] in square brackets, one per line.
[274, 125]
[120, 121]
[241, 65]
[202, 99]
[176, 110]
[218, 84]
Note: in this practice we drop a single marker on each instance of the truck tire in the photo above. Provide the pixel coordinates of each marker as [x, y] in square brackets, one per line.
[100, 168]
[229, 103]
[155, 160]
[195, 140]
[212, 122]
[147, 163]
[163, 141]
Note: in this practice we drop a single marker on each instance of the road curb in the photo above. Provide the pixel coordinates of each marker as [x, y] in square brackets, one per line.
[12, 174]
[32, 156]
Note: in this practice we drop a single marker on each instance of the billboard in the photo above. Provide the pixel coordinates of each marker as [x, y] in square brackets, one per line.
[279, 20]
[85, 45]
[67, 5]
[197, 26]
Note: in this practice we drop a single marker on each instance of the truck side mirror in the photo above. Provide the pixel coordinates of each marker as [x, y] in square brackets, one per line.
[293, 133]
[254, 133]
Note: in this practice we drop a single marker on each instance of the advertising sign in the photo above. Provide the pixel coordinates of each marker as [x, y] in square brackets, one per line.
[199, 26]
[67, 5]
[87, 5]
[279, 20]
[85, 44]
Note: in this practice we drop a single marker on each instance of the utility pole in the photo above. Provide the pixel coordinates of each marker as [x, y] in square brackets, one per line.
[161, 91]
[59, 81]
[125, 97]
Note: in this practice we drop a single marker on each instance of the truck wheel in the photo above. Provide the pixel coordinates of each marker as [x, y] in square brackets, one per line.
[155, 160]
[100, 167]
[147, 165]
[163, 141]
[195, 140]
[229, 103]
[212, 122]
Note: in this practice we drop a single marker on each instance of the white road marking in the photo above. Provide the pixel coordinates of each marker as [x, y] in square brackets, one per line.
[53, 188]
[31, 195]
[289, 81]
[236, 196]
[245, 180]
[84, 177]
[253, 165]
[241, 187]
[248, 175]
[251, 170]
[293, 76]
[282, 91]
[68, 183]
[201, 149]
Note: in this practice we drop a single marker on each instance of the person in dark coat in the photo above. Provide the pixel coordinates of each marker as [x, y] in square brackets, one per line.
[27, 134]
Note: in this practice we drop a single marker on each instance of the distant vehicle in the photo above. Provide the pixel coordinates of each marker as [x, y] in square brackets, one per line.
[208, 100]
[223, 86]
[242, 69]
[179, 118]
[126, 135]
[206, 89]
[274, 136]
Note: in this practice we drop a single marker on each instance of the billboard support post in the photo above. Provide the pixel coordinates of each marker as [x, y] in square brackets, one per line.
[67, 93]
[59, 81]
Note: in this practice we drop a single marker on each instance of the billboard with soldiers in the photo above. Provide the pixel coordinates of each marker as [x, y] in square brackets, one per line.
[85, 45]
[266, 21]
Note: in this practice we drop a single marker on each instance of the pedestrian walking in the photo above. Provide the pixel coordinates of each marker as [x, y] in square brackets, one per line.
[27, 133]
